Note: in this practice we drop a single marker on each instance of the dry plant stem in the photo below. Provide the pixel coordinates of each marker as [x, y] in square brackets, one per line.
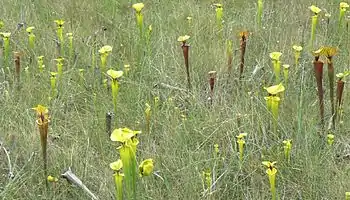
[229, 52]
[72, 178]
[243, 48]
[109, 123]
[185, 49]
[17, 66]
[340, 89]
[348, 40]
[331, 88]
[58, 49]
[10, 173]
[318, 68]
[211, 84]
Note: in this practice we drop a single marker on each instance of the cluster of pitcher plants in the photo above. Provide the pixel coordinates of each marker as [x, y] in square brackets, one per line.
[127, 169]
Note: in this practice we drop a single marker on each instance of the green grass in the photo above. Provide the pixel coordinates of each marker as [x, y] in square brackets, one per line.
[181, 149]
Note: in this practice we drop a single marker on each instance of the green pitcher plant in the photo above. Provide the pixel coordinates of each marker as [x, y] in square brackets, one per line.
[6, 39]
[343, 6]
[104, 52]
[59, 65]
[207, 179]
[139, 16]
[314, 19]
[287, 146]
[53, 84]
[273, 101]
[329, 53]
[59, 32]
[286, 73]
[118, 177]
[330, 139]
[347, 195]
[40, 61]
[219, 17]
[259, 13]
[146, 167]
[114, 76]
[271, 172]
[275, 57]
[297, 53]
[31, 37]
[241, 143]
[127, 150]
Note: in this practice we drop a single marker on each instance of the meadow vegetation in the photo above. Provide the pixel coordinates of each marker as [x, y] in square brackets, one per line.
[238, 107]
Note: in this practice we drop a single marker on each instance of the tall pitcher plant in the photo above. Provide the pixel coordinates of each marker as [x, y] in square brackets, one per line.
[118, 177]
[104, 53]
[127, 150]
[271, 172]
[275, 57]
[114, 76]
[139, 16]
[273, 102]
[314, 19]
[339, 92]
[343, 6]
[318, 71]
[59, 32]
[329, 52]
[6, 36]
[42, 121]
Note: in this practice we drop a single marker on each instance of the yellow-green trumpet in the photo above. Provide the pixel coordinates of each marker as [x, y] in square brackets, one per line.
[343, 6]
[314, 19]
[128, 140]
[271, 172]
[275, 56]
[118, 177]
[139, 17]
[287, 145]
[6, 40]
[104, 52]
[31, 37]
[241, 143]
[114, 75]
[297, 54]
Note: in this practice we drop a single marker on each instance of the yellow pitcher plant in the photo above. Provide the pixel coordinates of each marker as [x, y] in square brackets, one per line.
[241, 143]
[139, 17]
[104, 52]
[31, 37]
[114, 76]
[314, 19]
[275, 57]
[271, 172]
[118, 177]
[128, 140]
